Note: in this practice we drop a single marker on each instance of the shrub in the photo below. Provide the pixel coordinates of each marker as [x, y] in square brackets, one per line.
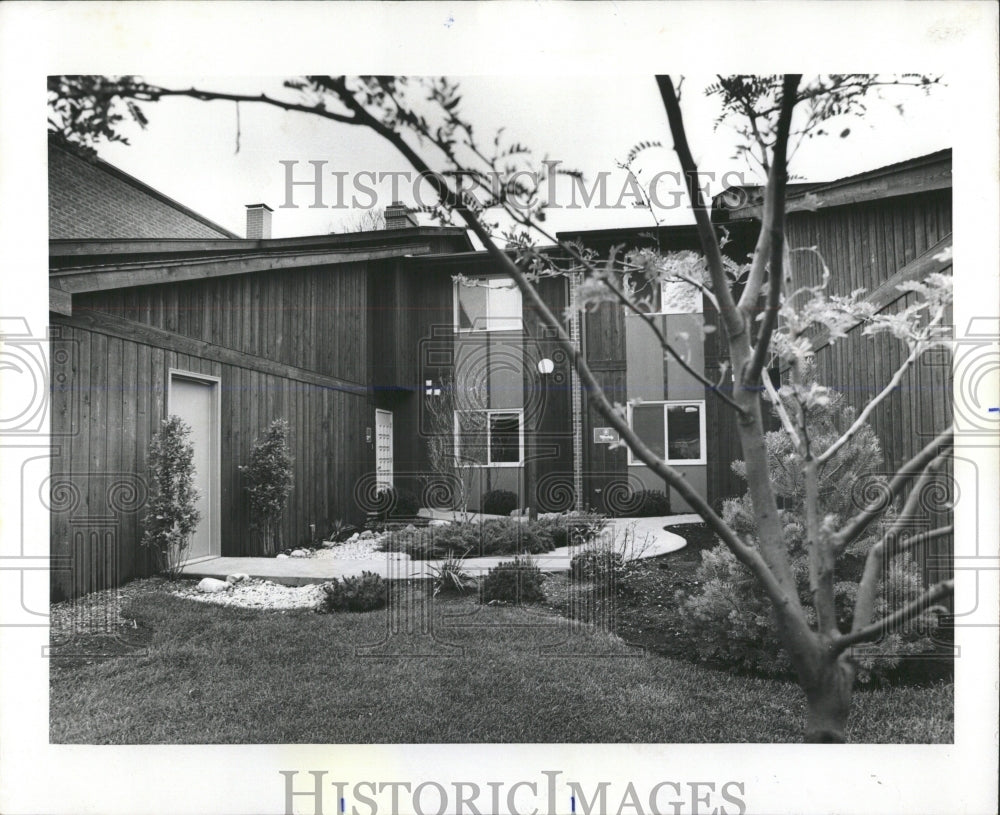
[450, 577]
[496, 536]
[516, 581]
[366, 592]
[651, 504]
[730, 619]
[171, 516]
[398, 502]
[597, 563]
[499, 502]
[268, 482]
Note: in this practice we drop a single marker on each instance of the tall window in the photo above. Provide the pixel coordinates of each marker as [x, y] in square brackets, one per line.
[489, 438]
[674, 431]
[487, 304]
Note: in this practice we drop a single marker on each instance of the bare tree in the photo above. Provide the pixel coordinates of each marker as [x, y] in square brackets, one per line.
[365, 220]
[421, 118]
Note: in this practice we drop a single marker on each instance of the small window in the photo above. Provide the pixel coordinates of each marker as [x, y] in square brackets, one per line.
[487, 304]
[489, 437]
[674, 431]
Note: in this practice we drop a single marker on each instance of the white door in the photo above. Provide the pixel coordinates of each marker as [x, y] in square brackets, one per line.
[195, 401]
[383, 448]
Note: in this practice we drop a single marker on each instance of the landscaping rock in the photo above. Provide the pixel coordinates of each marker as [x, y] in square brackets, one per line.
[329, 544]
[281, 556]
[210, 585]
[438, 523]
[367, 535]
[354, 537]
[299, 553]
[237, 578]
[409, 528]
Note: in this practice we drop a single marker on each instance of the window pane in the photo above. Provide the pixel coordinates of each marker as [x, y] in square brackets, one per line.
[504, 305]
[471, 437]
[471, 306]
[505, 438]
[684, 432]
[647, 422]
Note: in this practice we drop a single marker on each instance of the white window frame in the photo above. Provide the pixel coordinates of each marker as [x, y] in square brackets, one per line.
[519, 412]
[702, 429]
[485, 320]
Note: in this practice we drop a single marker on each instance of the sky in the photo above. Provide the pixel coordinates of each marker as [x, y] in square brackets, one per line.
[189, 153]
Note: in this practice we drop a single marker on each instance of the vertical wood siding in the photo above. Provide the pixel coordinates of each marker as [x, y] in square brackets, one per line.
[109, 396]
[863, 246]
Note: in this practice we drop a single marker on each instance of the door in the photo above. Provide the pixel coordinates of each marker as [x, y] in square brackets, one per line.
[383, 448]
[195, 400]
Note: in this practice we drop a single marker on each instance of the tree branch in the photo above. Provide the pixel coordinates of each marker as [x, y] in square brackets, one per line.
[887, 624]
[774, 225]
[856, 525]
[734, 320]
[883, 551]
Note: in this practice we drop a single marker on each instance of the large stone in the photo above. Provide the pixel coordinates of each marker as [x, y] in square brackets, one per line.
[282, 556]
[367, 535]
[300, 553]
[237, 578]
[439, 523]
[210, 585]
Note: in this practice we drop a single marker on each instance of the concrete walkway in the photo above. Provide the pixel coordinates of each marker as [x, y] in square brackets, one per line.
[638, 538]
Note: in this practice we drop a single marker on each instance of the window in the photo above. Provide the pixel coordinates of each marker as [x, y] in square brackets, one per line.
[489, 437]
[672, 296]
[674, 431]
[487, 304]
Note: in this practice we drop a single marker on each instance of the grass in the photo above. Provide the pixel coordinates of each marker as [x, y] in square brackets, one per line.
[194, 673]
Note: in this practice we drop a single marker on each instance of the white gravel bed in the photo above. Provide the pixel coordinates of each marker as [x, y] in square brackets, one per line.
[255, 593]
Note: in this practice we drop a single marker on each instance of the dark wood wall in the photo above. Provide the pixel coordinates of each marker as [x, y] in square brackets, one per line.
[864, 245]
[284, 345]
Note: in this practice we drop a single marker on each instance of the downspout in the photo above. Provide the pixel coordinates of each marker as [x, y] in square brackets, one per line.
[576, 394]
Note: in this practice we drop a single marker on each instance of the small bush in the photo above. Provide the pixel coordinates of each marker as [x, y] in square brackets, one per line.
[598, 564]
[172, 514]
[516, 581]
[268, 482]
[366, 592]
[399, 502]
[651, 504]
[499, 502]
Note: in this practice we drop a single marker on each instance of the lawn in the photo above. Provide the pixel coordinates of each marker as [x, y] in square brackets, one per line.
[193, 673]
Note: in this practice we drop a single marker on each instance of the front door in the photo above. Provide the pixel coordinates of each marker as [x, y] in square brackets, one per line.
[195, 400]
[383, 448]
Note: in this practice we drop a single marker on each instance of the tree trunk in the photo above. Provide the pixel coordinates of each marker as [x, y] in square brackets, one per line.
[828, 697]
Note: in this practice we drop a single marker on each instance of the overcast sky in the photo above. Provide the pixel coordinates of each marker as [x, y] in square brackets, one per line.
[189, 149]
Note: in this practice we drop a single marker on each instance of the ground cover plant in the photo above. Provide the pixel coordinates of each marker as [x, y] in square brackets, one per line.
[208, 674]
[493, 536]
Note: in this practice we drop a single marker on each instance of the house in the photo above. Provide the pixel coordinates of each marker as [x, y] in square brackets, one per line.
[364, 341]
[156, 310]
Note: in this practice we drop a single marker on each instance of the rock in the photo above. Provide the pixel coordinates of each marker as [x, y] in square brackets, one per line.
[237, 578]
[280, 557]
[210, 585]
[353, 537]
[300, 553]
[439, 523]
[367, 535]
[329, 544]
[409, 528]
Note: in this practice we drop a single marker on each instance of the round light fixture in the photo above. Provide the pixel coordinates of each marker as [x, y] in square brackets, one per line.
[546, 366]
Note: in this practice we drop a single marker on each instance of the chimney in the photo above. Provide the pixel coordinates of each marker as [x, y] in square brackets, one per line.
[258, 222]
[398, 217]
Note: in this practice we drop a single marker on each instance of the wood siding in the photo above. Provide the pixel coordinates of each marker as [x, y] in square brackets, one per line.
[285, 345]
[864, 245]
